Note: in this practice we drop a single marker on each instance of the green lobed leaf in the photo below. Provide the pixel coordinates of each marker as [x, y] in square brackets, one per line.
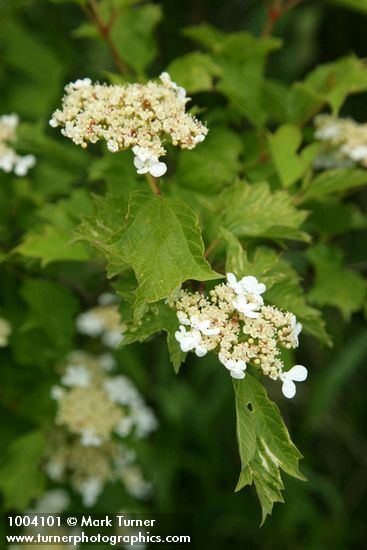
[194, 71]
[52, 241]
[206, 35]
[213, 164]
[18, 45]
[330, 218]
[334, 284]
[52, 308]
[159, 317]
[284, 145]
[98, 230]
[21, 478]
[253, 210]
[52, 245]
[132, 32]
[334, 182]
[328, 84]
[263, 263]
[161, 241]
[242, 58]
[264, 444]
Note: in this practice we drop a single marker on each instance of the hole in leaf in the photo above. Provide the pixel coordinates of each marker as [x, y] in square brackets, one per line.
[250, 407]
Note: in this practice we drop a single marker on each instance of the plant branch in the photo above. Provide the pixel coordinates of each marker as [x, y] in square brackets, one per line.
[104, 29]
[211, 247]
[274, 12]
[153, 185]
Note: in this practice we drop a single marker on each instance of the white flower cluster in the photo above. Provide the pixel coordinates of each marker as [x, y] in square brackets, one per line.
[94, 404]
[10, 161]
[236, 324]
[103, 321]
[345, 139]
[93, 408]
[140, 117]
[5, 332]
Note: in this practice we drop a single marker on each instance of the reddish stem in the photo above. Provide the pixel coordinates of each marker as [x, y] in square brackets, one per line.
[104, 29]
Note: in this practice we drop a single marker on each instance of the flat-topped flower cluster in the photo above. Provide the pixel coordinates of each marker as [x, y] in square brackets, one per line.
[10, 161]
[235, 323]
[95, 412]
[345, 139]
[141, 117]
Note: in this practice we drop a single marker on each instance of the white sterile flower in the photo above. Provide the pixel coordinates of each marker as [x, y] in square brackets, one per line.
[76, 376]
[297, 328]
[120, 390]
[57, 392]
[181, 92]
[182, 317]
[145, 421]
[203, 326]
[298, 373]
[80, 83]
[199, 138]
[125, 426]
[134, 482]
[9, 158]
[112, 338]
[10, 120]
[250, 285]
[89, 439]
[7, 161]
[190, 340]
[107, 362]
[107, 298]
[232, 283]
[23, 164]
[52, 502]
[112, 145]
[89, 323]
[145, 161]
[247, 308]
[357, 153]
[236, 368]
[90, 490]
[125, 456]
[247, 285]
[55, 470]
[328, 131]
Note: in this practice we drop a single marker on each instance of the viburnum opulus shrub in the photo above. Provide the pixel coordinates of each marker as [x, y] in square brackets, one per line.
[194, 200]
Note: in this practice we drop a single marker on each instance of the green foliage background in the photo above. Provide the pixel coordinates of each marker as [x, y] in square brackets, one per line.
[46, 280]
